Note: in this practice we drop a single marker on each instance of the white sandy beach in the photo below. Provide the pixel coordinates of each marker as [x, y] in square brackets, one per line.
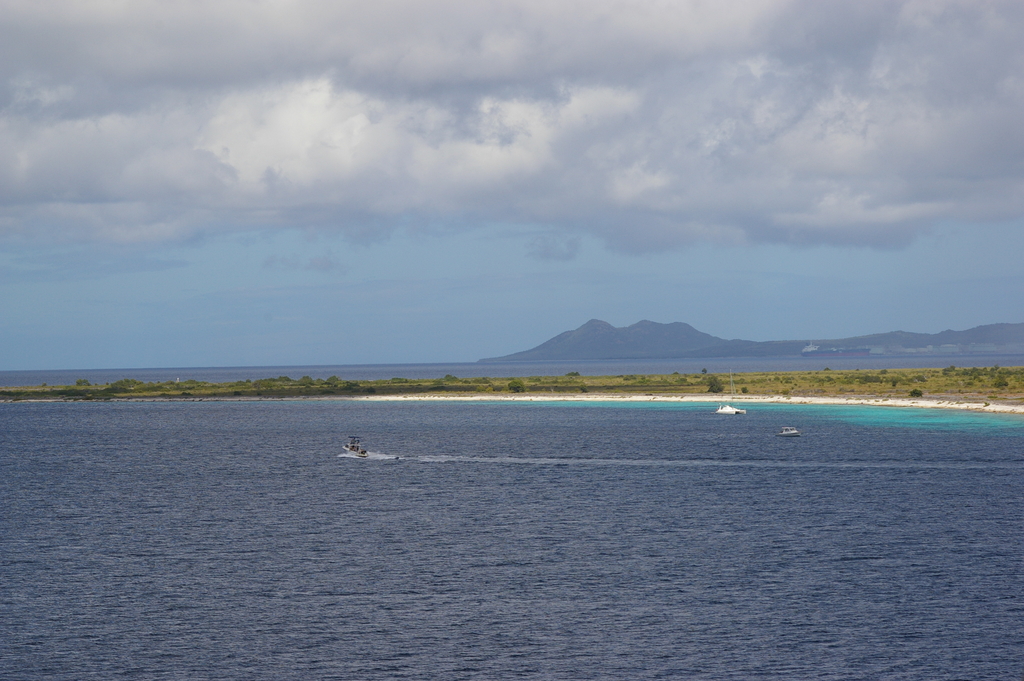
[922, 403]
[977, 405]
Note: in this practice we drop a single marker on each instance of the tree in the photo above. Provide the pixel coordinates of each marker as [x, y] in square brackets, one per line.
[916, 392]
[516, 385]
[715, 385]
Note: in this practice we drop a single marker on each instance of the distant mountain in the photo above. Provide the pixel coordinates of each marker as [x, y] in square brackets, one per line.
[994, 334]
[650, 340]
[601, 340]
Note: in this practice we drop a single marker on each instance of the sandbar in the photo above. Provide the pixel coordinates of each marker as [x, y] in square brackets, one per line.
[868, 400]
[947, 402]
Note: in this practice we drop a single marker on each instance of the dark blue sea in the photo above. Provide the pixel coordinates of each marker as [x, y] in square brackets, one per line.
[229, 540]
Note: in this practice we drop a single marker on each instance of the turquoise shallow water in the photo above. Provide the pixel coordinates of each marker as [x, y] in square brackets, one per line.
[864, 415]
[929, 419]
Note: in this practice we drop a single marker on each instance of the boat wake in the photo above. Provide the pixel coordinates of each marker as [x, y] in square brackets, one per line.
[370, 456]
[703, 463]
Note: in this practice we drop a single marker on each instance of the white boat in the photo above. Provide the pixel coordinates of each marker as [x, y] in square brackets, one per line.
[727, 408]
[354, 447]
[788, 431]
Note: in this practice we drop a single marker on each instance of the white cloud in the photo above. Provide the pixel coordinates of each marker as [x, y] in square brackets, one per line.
[650, 124]
[302, 133]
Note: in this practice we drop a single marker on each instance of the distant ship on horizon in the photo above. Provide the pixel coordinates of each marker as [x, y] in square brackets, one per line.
[811, 350]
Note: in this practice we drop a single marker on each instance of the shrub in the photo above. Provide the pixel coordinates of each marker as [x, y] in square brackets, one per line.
[516, 386]
[916, 392]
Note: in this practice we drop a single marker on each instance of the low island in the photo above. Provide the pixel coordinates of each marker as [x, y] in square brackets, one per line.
[983, 388]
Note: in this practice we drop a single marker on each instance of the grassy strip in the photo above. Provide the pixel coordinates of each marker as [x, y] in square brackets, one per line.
[1003, 383]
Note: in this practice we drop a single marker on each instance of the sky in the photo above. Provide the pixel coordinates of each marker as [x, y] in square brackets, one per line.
[259, 182]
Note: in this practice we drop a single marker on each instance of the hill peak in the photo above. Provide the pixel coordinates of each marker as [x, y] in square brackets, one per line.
[598, 339]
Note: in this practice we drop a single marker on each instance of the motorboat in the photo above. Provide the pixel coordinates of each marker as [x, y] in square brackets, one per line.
[788, 431]
[353, 446]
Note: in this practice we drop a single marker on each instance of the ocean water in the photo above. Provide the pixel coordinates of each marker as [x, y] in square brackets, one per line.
[611, 367]
[229, 540]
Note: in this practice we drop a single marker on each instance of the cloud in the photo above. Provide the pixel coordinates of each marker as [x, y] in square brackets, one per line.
[650, 125]
[551, 247]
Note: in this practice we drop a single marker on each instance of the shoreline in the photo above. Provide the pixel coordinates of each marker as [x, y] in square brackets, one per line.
[860, 400]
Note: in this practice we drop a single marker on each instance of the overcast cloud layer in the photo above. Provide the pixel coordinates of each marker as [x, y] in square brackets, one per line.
[646, 124]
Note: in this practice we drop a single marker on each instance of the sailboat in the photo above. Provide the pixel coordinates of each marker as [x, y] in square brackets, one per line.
[726, 408]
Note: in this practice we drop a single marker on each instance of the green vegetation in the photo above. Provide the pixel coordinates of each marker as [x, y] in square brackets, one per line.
[1003, 383]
